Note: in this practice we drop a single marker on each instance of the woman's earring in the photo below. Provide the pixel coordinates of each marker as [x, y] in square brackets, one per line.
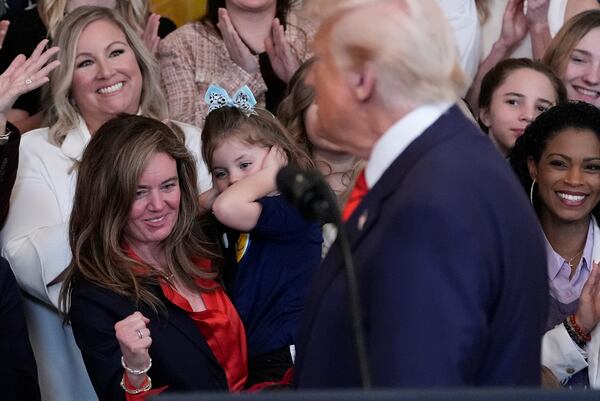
[531, 192]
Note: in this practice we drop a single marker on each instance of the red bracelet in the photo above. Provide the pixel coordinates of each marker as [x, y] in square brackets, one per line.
[578, 330]
[126, 385]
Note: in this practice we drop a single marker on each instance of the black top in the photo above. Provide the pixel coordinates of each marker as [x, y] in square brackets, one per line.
[18, 371]
[14, 8]
[275, 86]
[23, 36]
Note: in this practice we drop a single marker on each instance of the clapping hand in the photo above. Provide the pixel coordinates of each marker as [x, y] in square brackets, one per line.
[537, 12]
[238, 51]
[3, 30]
[282, 57]
[150, 34]
[26, 74]
[588, 311]
[514, 23]
[283, 60]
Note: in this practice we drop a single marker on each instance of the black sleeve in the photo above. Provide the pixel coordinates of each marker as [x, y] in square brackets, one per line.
[165, 27]
[18, 371]
[9, 161]
[93, 314]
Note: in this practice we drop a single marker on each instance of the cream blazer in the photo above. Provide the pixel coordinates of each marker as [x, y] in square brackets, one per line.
[559, 352]
[34, 241]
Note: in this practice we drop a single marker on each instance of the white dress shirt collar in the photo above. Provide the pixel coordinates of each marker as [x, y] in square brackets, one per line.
[399, 136]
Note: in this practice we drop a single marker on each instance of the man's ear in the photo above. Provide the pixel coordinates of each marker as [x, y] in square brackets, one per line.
[532, 167]
[362, 82]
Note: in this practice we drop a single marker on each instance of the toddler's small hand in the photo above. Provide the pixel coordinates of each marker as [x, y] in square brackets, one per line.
[207, 198]
[276, 158]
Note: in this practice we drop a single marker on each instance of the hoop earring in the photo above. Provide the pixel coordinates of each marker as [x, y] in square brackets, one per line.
[531, 192]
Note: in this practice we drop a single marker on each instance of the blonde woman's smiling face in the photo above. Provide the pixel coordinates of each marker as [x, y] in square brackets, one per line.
[582, 73]
[107, 79]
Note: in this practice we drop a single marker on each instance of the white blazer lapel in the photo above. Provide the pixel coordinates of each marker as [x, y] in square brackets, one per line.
[76, 141]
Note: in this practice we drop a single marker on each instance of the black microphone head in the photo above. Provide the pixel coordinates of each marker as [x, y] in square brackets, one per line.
[309, 193]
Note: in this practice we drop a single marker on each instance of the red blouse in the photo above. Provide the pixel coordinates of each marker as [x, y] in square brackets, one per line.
[222, 329]
[219, 324]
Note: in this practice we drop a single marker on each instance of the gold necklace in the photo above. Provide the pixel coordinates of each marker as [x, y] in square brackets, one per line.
[570, 261]
[168, 277]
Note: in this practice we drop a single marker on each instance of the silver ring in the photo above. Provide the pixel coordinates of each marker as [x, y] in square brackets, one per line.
[28, 81]
[139, 333]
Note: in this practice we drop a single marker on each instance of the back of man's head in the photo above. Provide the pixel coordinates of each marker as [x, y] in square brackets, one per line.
[409, 43]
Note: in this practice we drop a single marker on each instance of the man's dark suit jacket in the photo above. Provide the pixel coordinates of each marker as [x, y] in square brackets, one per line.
[9, 161]
[18, 371]
[451, 272]
[181, 358]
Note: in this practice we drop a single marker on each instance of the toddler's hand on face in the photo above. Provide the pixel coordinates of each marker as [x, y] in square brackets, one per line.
[207, 198]
[276, 158]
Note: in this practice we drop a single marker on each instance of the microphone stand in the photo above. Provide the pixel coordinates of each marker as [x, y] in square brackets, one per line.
[355, 308]
[312, 196]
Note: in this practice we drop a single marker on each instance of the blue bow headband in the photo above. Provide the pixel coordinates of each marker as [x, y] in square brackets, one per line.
[217, 97]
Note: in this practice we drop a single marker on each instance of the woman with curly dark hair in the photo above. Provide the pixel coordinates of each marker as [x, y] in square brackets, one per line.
[558, 162]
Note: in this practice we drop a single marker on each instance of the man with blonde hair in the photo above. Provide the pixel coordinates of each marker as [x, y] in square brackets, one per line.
[449, 256]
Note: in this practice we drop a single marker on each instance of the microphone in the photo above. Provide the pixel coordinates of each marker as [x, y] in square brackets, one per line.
[309, 193]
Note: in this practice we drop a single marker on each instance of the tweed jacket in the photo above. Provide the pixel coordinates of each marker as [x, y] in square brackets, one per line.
[193, 57]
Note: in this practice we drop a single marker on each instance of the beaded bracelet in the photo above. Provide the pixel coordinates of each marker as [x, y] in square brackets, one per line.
[136, 372]
[8, 131]
[573, 334]
[578, 329]
[147, 385]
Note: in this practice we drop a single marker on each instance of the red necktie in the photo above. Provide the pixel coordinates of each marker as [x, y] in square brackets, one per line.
[358, 192]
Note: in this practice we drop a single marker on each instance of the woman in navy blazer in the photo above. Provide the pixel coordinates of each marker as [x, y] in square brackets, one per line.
[145, 306]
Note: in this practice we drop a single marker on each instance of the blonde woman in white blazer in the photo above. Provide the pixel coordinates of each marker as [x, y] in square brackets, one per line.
[105, 70]
[558, 162]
